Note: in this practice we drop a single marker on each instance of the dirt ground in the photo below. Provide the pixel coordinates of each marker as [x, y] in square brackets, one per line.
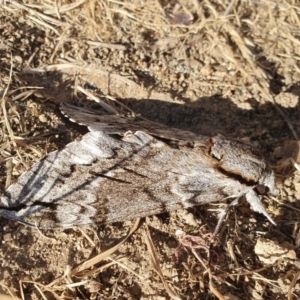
[228, 67]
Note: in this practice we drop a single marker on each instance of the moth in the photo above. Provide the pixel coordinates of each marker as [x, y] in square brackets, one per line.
[127, 167]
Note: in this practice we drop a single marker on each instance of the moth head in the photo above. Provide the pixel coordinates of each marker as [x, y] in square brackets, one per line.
[267, 184]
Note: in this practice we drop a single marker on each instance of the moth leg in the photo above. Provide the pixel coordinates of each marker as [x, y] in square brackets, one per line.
[256, 204]
[223, 213]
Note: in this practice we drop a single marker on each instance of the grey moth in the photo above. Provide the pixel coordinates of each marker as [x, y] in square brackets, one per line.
[127, 167]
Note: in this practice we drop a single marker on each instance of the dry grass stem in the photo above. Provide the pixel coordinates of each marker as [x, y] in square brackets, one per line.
[40, 291]
[233, 256]
[156, 266]
[87, 237]
[104, 105]
[36, 13]
[39, 287]
[286, 205]
[43, 23]
[64, 8]
[89, 273]
[12, 294]
[6, 297]
[3, 105]
[26, 94]
[9, 168]
[213, 289]
[98, 258]
[106, 45]
[126, 268]
[292, 285]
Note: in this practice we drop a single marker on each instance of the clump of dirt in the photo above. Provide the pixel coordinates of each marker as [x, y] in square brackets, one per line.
[209, 67]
